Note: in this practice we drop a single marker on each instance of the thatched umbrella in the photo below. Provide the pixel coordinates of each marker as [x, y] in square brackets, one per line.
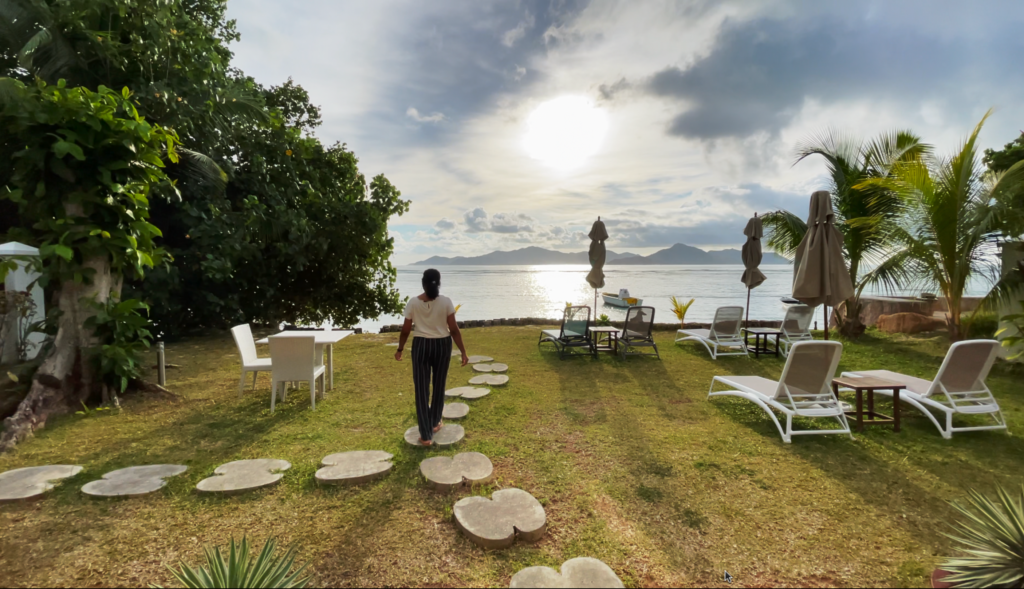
[820, 276]
[598, 234]
[752, 277]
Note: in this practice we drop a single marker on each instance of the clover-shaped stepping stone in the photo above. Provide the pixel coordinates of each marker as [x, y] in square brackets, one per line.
[133, 481]
[353, 468]
[455, 410]
[448, 435]
[495, 380]
[578, 572]
[392, 345]
[467, 392]
[28, 483]
[478, 359]
[244, 475]
[497, 522]
[490, 367]
[444, 473]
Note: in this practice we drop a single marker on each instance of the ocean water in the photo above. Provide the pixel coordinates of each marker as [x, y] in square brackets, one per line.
[495, 292]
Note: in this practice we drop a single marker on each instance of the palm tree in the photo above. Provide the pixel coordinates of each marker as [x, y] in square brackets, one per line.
[951, 216]
[862, 212]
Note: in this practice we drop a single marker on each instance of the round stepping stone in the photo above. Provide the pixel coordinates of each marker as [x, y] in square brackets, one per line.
[449, 435]
[464, 470]
[495, 380]
[28, 483]
[353, 468]
[455, 410]
[394, 345]
[467, 392]
[578, 572]
[478, 359]
[490, 367]
[456, 354]
[497, 522]
[133, 481]
[244, 475]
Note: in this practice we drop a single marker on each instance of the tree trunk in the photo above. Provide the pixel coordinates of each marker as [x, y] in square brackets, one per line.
[849, 322]
[65, 379]
[953, 318]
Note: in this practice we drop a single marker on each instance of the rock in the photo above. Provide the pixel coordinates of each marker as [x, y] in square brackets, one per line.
[455, 410]
[448, 436]
[478, 359]
[28, 483]
[496, 523]
[463, 470]
[578, 572]
[133, 481]
[467, 392]
[353, 468]
[494, 380]
[909, 323]
[244, 475]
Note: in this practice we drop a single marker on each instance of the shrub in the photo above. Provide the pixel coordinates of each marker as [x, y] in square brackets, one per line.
[980, 325]
[242, 570]
[993, 540]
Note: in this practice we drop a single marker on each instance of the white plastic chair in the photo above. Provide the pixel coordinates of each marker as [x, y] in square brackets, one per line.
[724, 333]
[247, 350]
[804, 389]
[958, 389]
[796, 327]
[295, 361]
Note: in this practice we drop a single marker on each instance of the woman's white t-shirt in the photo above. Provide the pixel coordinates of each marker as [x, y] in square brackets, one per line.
[430, 318]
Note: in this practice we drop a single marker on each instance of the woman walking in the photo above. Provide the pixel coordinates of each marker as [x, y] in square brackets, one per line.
[433, 315]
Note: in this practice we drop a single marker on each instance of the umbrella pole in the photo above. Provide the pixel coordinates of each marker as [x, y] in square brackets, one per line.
[826, 321]
[748, 308]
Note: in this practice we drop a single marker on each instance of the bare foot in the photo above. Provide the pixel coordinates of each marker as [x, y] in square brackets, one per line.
[438, 428]
[427, 443]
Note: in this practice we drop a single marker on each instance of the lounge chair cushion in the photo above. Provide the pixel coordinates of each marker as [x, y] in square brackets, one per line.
[758, 384]
[552, 333]
[701, 333]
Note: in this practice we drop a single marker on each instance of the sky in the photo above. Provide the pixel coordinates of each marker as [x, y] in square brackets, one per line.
[516, 123]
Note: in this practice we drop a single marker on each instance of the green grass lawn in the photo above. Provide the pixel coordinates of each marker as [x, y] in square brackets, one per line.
[633, 465]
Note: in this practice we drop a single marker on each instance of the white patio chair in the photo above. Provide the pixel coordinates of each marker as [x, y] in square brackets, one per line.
[804, 389]
[247, 350]
[958, 389]
[724, 333]
[295, 361]
[796, 327]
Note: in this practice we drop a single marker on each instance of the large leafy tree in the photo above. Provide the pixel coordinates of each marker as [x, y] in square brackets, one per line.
[949, 223]
[863, 213]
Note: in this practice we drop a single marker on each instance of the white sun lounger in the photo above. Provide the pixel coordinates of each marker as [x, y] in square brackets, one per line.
[796, 327]
[724, 333]
[958, 389]
[804, 389]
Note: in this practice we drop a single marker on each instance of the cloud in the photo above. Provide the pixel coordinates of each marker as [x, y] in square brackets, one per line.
[477, 221]
[444, 225]
[511, 36]
[415, 115]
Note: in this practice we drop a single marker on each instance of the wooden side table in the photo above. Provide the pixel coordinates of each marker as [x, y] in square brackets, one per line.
[610, 338]
[860, 384]
[760, 333]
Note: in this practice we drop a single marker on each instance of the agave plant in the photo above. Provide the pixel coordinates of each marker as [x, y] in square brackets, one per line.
[680, 308]
[242, 570]
[992, 538]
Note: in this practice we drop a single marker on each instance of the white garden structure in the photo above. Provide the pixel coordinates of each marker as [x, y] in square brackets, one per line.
[796, 327]
[295, 360]
[803, 391]
[724, 333]
[247, 350]
[958, 389]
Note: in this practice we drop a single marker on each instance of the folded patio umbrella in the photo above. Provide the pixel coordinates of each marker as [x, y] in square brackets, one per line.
[598, 234]
[820, 276]
[752, 277]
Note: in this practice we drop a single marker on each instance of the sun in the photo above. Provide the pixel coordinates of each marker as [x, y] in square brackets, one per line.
[565, 131]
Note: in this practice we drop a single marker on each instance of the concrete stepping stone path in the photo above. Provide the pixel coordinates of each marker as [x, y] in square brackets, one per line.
[494, 380]
[448, 436]
[455, 410]
[244, 475]
[28, 483]
[353, 468]
[467, 392]
[445, 473]
[497, 522]
[490, 367]
[578, 572]
[133, 481]
[478, 359]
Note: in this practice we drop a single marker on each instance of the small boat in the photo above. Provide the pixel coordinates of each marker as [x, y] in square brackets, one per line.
[617, 301]
[790, 301]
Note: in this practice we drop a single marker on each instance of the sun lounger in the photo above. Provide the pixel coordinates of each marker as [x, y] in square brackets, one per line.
[803, 391]
[638, 333]
[724, 333]
[796, 327]
[958, 389]
[574, 334]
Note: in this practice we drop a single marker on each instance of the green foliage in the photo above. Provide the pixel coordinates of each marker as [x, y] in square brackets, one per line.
[992, 538]
[1013, 335]
[21, 306]
[124, 335]
[241, 569]
[1004, 159]
[680, 308]
[980, 325]
[604, 320]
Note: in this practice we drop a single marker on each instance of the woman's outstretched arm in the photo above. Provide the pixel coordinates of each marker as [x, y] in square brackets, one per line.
[406, 328]
[453, 326]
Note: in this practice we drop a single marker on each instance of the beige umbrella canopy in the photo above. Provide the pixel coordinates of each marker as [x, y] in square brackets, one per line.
[752, 277]
[598, 253]
[820, 276]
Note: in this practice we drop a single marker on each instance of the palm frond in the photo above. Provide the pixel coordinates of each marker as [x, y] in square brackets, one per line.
[201, 169]
[10, 91]
[784, 231]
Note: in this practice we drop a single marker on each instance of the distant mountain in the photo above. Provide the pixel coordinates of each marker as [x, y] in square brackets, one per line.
[529, 256]
[678, 254]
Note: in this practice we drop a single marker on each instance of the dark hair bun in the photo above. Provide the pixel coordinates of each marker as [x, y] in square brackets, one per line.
[431, 283]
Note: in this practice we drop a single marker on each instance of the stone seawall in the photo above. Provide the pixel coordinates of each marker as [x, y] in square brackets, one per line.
[530, 321]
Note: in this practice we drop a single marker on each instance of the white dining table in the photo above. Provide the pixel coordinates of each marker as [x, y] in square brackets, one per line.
[323, 338]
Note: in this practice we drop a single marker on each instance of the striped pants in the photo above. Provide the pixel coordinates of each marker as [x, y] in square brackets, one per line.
[430, 361]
